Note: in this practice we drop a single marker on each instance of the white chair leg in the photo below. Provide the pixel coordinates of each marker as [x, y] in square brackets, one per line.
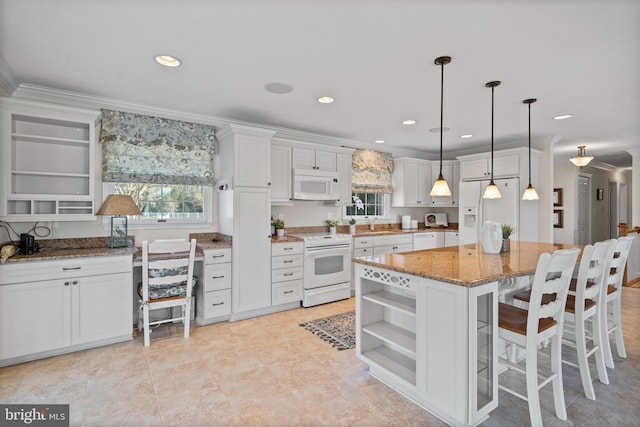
[603, 375]
[583, 361]
[556, 367]
[533, 397]
[604, 334]
[186, 316]
[147, 332]
[617, 319]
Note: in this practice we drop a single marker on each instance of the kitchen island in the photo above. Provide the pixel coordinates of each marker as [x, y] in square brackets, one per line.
[426, 323]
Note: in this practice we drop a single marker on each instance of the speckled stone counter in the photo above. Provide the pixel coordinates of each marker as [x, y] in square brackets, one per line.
[466, 265]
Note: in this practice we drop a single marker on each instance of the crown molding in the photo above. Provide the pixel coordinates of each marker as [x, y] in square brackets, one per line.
[601, 165]
[8, 81]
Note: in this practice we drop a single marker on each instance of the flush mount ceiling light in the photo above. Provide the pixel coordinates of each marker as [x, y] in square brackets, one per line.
[325, 100]
[530, 193]
[440, 187]
[279, 88]
[582, 160]
[409, 122]
[492, 191]
[379, 141]
[562, 117]
[168, 61]
[466, 136]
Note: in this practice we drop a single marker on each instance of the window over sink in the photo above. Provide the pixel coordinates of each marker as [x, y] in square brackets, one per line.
[367, 205]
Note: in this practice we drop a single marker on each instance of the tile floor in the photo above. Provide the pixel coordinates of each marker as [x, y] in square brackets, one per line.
[268, 371]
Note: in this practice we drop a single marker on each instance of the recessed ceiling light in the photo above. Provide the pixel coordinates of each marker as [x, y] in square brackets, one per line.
[409, 122]
[279, 88]
[325, 100]
[562, 117]
[168, 60]
[437, 130]
[379, 141]
[466, 136]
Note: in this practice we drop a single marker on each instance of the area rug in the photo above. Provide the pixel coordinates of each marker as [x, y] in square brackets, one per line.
[338, 330]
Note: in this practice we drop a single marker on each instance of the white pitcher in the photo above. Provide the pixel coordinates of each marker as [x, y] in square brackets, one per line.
[491, 237]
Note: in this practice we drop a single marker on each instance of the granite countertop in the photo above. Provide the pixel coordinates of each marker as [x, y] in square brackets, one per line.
[466, 265]
[285, 239]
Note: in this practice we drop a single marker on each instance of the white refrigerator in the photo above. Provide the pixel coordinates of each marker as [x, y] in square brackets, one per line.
[474, 210]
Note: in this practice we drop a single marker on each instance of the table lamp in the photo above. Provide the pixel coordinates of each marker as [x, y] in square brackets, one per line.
[119, 205]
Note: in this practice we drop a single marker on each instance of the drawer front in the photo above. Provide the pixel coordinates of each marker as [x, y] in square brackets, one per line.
[288, 292]
[217, 303]
[363, 242]
[217, 256]
[287, 261]
[284, 274]
[31, 271]
[278, 249]
[217, 277]
[362, 252]
[393, 239]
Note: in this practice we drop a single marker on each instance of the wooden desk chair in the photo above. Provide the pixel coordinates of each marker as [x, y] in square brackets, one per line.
[539, 324]
[167, 281]
[613, 300]
[584, 308]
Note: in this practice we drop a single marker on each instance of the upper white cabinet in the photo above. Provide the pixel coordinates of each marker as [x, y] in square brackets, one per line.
[344, 178]
[281, 185]
[244, 156]
[479, 166]
[47, 166]
[309, 158]
[411, 182]
[451, 173]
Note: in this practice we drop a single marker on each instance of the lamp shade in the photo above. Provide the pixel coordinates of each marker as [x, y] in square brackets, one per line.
[581, 160]
[530, 193]
[440, 187]
[119, 204]
[492, 191]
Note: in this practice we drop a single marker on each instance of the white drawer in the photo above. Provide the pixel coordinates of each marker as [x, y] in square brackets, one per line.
[217, 303]
[286, 292]
[362, 242]
[287, 261]
[216, 277]
[283, 274]
[393, 239]
[217, 256]
[362, 252]
[31, 271]
[289, 248]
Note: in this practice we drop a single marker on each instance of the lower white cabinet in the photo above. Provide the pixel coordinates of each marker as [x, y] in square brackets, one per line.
[451, 238]
[428, 240]
[82, 303]
[392, 243]
[214, 291]
[287, 272]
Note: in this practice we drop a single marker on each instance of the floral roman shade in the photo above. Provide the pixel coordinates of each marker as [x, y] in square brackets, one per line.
[371, 172]
[146, 149]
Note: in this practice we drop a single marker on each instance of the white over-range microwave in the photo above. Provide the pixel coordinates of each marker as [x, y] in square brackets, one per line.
[315, 185]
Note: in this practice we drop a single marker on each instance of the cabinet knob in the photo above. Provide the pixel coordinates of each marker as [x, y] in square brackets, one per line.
[66, 283]
[75, 282]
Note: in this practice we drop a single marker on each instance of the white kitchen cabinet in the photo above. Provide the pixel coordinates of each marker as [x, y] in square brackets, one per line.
[53, 307]
[344, 162]
[214, 292]
[311, 158]
[451, 238]
[244, 156]
[428, 240]
[451, 173]
[392, 243]
[411, 182]
[479, 167]
[281, 181]
[47, 162]
[287, 272]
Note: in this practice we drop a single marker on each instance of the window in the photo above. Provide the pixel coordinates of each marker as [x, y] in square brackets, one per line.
[367, 205]
[166, 203]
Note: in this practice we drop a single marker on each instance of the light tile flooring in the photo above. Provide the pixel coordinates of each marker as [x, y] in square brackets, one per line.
[268, 371]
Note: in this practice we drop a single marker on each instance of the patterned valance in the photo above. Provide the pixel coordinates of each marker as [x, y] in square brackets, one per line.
[371, 172]
[139, 148]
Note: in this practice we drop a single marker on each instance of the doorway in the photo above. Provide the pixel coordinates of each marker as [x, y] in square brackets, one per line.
[584, 210]
[613, 210]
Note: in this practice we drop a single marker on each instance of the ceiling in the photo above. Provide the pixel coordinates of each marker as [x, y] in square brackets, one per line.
[376, 58]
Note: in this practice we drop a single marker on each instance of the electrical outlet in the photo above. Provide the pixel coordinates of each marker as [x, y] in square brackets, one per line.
[330, 216]
[281, 216]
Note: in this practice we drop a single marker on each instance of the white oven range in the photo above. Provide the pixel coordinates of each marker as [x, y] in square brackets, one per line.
[327, 267]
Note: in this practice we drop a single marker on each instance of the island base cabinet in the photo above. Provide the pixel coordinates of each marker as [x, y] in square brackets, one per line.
[431, 341]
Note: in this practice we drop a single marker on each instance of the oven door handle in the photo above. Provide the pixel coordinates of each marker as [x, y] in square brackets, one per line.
[341, 248]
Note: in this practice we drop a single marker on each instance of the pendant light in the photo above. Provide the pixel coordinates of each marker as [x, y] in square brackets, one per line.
[530, 193]
[582, 160]
[440, 187]
[492, 191]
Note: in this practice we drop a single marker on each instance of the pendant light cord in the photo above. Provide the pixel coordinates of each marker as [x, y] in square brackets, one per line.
[441, 112]
[492, 89]
[529, 145]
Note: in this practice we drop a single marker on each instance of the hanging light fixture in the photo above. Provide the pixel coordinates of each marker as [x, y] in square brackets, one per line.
[582, 160]
[440, 187]
[492, 191]
[530, 193]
